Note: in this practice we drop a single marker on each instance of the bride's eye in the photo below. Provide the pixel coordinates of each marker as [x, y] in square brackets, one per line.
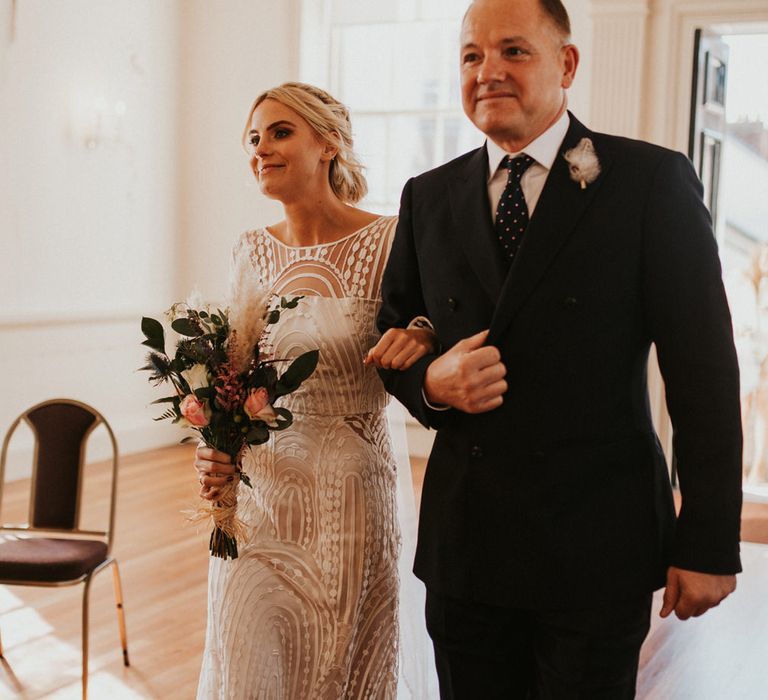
[282, 133]
[254, 140]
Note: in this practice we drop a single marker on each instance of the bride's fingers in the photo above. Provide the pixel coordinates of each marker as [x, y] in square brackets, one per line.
[209, 494]
[395, 350]
[215, 478]
[412, 350]
[403, 358]
[212, 485]
[387, 347]
[207, 467]
[410, 360]
[208, 454]
[399, 348]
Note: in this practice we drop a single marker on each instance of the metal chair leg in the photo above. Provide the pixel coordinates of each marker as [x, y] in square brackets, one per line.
[120, 611]
[86, 590]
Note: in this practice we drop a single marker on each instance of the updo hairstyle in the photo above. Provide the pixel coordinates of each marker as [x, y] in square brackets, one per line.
[329, 119]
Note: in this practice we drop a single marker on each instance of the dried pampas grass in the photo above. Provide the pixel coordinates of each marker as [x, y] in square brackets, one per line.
[247, 314]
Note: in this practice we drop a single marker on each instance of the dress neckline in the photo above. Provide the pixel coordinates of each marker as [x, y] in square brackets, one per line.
[354, 233]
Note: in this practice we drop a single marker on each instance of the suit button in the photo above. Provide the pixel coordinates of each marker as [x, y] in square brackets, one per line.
[570, 302]
[452, 303]
[476, 452]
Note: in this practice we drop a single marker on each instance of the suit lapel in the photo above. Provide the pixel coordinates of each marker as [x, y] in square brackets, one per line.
[468, 190]
[560, 206]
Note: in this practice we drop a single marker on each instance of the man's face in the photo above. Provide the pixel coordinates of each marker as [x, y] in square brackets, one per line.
[515, 66]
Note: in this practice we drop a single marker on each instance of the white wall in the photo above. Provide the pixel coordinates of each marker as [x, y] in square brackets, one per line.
[87, 215]
[234, 50]
[105, 217]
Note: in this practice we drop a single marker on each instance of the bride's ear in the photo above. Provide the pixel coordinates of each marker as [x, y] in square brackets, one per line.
[330, 150]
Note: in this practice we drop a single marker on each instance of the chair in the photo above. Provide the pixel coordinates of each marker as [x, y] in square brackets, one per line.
[70, 555]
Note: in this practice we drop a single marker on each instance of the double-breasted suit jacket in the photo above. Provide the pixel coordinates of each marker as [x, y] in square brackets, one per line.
[561, 498]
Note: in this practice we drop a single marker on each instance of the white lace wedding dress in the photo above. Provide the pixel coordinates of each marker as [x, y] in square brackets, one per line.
[309, 609]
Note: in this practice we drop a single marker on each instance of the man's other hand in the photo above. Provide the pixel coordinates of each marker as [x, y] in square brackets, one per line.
[690, 593]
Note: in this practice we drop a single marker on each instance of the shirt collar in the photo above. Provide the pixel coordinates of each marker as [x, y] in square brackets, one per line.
[543, 149]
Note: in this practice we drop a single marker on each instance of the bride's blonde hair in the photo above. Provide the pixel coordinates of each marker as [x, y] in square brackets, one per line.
[329, 119]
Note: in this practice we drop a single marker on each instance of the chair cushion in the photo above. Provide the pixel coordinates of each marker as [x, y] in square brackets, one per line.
[48, 560]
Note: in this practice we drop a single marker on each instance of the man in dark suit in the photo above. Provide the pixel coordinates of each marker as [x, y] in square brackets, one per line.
[548, 262]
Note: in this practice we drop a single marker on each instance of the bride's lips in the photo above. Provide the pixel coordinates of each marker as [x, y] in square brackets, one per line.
[264, 169]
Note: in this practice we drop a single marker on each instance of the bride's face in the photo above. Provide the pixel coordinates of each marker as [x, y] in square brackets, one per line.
[287, 157]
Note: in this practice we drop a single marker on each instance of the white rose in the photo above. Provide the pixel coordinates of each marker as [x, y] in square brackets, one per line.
[196, 376]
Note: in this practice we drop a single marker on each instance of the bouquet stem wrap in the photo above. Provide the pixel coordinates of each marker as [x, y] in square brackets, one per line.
[228, 529]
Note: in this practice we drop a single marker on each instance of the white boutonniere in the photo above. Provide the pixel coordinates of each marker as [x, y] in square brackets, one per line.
[583, 163]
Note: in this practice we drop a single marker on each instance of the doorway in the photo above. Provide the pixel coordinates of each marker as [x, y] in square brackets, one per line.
[729, 147]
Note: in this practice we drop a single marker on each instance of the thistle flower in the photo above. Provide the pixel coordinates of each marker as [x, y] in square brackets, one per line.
[194, 350]
[159, 366]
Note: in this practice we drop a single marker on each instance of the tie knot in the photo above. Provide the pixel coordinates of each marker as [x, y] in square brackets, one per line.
[516, 167]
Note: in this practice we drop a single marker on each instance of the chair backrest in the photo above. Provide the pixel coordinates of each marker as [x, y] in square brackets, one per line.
[61, 428]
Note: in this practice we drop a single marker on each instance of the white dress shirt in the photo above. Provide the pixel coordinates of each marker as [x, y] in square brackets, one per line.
[543, 149]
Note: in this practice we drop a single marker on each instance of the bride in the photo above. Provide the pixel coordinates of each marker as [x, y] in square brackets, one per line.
[310, 607]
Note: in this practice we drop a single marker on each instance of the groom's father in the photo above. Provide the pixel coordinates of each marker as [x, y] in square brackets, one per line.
[549, 261]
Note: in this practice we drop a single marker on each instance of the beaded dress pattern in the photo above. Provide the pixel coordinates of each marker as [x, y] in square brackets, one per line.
[309, 609]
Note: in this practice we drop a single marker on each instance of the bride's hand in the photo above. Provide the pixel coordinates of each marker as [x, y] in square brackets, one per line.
[214, 469]
[399, 348]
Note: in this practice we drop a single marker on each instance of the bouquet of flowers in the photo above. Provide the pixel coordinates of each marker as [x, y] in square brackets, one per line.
[224, 388]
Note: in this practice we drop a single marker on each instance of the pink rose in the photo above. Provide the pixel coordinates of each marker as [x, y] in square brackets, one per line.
[196, 413]
[257, 407]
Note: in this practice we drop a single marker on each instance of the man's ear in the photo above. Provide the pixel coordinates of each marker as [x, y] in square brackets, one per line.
[570, 57]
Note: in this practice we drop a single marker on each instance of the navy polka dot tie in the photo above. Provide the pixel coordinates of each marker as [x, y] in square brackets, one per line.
[512, 212]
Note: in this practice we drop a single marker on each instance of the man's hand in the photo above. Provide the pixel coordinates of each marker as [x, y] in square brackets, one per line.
[469, 377]
[690, 593]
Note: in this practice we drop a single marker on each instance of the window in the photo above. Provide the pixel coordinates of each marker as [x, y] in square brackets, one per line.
[395, 66]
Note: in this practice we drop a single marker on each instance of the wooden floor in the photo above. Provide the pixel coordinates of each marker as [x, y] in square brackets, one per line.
[163, 561]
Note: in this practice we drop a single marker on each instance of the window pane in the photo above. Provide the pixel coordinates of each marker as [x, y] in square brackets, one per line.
[370, 136]
[420, 67]
[411, 150]
[395, 67]
[363, 58]
[459, 136]
[454, 79]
